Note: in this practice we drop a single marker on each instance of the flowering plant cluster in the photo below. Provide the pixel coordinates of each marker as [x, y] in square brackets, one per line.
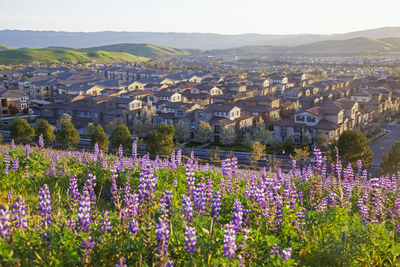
[97, 209]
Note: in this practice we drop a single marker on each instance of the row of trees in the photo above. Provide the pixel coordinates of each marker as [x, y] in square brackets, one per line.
[21, 132]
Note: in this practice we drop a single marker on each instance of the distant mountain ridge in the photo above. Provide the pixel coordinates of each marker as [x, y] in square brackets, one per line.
[360, 45]
[17, 38]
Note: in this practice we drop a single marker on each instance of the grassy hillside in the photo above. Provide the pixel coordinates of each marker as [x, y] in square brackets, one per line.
[349, 46]
[4, 48]
[144, 50]
[26, 56]
[343, 46]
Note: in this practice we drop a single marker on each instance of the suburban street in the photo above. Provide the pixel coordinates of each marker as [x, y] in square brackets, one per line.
[382, 145]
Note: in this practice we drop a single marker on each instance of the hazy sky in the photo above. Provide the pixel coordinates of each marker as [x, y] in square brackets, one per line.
[216, 16]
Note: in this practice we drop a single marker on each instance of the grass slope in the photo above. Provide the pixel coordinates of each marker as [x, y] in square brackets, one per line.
[349, 46]
[4, 48]
[144, 50]
[26, 56]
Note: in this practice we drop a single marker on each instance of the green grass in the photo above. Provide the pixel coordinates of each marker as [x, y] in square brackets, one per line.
[27, 56]
[144, 50]
[4, 48]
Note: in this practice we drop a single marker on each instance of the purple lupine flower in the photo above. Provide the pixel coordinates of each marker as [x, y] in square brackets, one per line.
[120, 152]
[5, 224]
[147, 185]
[397, 206]
[278, 214]
[6, 163]
[169, 264]
[134, 150]
[105, 224]
[84, 210]
[90, 187]
[216, 205]
[41, 142]
[26, 172]
[209, 191]
[286, 254]
[359, 166]
[127, 193]
[190, 240]
[187, 208]
[28, 150]
[376, 199]
[15, 165]
[10, 194]
[199, 197]
[175, 183]
[71, 224]
[173, 161]
[12, 144]
[73, 189]
[88, 244]
[19, 212]
[318, 159]
[362, 209]
[237, 219]
[121, 262]
[165, 203]
[275, 251]
[230, 241]
[179, 157]
[44, 205]
[190, 177]
[133, 226]
[294, 166]
[115, 196]
[162, 233]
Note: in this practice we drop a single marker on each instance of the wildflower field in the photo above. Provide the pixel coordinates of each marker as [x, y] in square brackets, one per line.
[75, 208]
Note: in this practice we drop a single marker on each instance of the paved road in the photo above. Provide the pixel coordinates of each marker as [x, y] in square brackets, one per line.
[382, 145]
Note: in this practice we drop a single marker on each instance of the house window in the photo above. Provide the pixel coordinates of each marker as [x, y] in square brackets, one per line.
[310, 119]
[299, 118]
[180, 112]
[23, 106]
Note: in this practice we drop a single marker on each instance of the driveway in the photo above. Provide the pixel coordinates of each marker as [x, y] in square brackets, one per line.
[382, 145]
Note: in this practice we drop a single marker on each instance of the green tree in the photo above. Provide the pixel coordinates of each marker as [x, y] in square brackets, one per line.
[321, 140]
[46, 130]
[391, 159]
[99, 136]
[247, 139]
[20, 130]
[182, 131]
[353, 146]
[203, 132]
[63, 119]
[228, 136]
[161, 140]
[121, 136]
[89, 130]
[68, 136]
[262, 135]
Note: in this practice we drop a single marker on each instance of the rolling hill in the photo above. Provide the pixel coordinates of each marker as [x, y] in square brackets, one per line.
[359, 45]
[27, 56]
[144, 50]
[4, 48]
